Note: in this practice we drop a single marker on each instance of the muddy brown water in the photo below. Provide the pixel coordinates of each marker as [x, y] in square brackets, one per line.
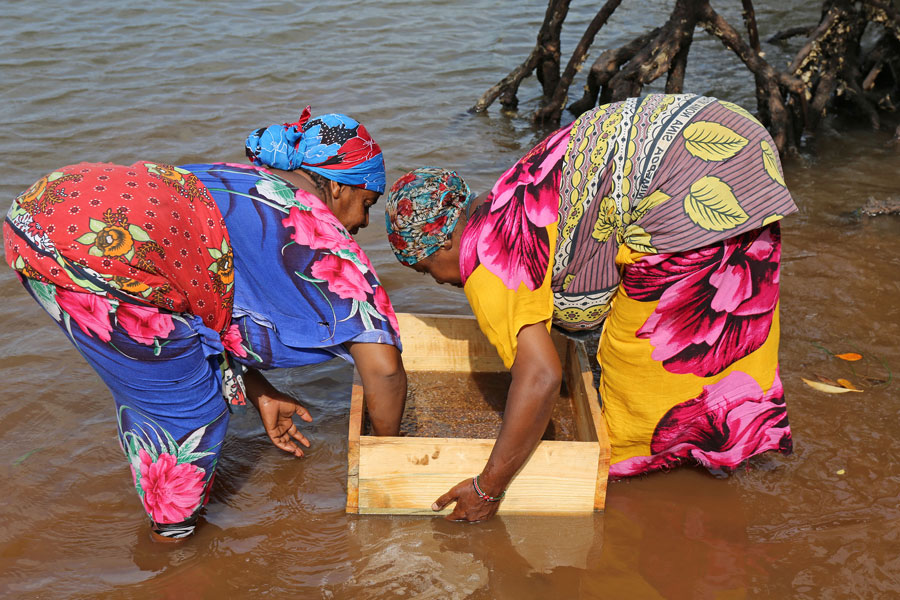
[186, 81]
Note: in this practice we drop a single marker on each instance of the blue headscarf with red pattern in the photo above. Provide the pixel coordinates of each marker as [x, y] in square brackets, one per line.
[334, 145]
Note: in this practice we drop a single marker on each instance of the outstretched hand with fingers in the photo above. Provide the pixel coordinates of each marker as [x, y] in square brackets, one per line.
[276, 410]
[276, 415]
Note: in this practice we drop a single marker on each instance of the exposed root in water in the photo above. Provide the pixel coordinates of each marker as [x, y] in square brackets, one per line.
[831, 72]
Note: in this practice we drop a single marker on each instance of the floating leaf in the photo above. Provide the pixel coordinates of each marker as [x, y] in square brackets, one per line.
[851, 356]
[25, 457]
[828, 389]
[711, 141]
[712, 205]
[826, 380]
[770, 162]
[846, 383]
[840, 471]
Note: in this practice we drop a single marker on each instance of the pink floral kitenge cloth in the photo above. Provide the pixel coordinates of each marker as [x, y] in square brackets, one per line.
[657, 220]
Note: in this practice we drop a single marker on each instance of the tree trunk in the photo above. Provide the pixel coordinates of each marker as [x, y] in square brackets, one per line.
[830, 72]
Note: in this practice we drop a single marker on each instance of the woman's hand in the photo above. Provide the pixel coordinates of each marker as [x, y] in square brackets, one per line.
[536, 376]
[276, 410]
[469, 506]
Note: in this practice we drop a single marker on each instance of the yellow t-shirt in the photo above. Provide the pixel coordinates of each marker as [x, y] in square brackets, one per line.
[502, 312]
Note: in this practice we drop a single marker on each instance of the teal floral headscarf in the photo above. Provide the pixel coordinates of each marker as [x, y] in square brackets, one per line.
[422, 209]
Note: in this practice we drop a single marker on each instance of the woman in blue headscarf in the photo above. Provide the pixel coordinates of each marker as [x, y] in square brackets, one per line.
[180, 284]
[332, 156]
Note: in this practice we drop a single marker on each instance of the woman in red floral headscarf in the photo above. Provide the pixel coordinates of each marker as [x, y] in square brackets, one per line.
[179, 284]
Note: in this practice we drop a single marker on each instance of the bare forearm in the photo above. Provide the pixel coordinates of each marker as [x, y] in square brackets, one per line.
[536, 375]
[385, 398]
[384, 383]
[257, 386]
[528, 409]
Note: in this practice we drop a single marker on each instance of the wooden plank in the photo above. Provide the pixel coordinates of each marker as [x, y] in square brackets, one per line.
[403, 475]
[593, 402]
[584, 424]
[452, 343]
[446, 343]
[356, 421]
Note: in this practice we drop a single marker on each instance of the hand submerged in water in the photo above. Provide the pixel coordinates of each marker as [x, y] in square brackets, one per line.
[276, 411]
[470, 507]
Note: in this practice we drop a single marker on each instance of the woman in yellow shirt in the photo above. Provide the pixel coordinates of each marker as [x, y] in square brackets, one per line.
[655, 219]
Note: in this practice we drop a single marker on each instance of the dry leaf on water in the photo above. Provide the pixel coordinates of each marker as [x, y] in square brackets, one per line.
[851, 356]
[846, 383]
[828, 389]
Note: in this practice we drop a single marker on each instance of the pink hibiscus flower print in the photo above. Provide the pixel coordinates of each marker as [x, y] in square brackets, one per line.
[316, 229]
[715, 304]
[729, 422]
[383, 306]
[89, 311]
[233, 340]
[343, 277]
[508, 232]
[144, 323]
[172, 491]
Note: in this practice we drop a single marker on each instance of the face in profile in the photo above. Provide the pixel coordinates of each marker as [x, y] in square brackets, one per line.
[443, 266]
[351, 206]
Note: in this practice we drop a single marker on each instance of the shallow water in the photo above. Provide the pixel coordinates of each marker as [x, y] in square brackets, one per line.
[183, 82]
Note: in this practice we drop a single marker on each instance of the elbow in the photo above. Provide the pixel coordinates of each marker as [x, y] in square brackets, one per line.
[546, 380]
[390, 368]
[390, 374]
[395, 377]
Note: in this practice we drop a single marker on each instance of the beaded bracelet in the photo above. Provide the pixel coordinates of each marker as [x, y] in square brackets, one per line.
[484, 496]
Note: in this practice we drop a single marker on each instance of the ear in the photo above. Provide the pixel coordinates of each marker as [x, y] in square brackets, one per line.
[455, 234]
[335, 188]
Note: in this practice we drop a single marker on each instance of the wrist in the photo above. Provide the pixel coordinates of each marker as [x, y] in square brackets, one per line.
[257, 386]
[485, 495]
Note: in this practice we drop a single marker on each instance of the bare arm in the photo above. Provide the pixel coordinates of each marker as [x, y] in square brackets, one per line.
[384, 384]
[536, 376]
